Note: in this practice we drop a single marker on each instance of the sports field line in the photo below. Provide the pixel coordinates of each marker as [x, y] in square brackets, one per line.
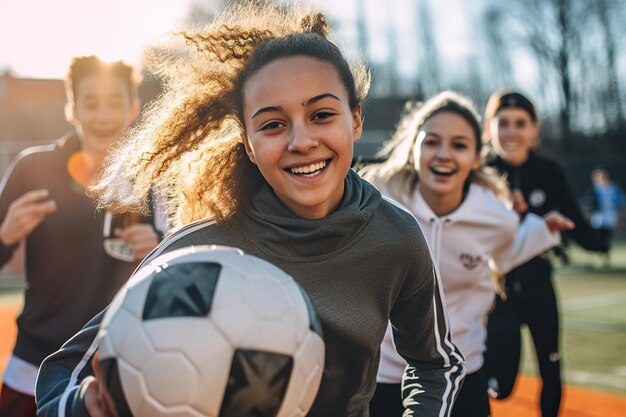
[586, 378]
[593, 301]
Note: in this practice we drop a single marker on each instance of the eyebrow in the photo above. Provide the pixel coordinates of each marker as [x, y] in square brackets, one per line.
[308, 103]
[453, 137]
[322, 96]
[90, 96]
[514, 120]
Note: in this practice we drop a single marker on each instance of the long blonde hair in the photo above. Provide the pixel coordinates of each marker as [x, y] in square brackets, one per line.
[398, 152]
[189, 146]
[399, 170]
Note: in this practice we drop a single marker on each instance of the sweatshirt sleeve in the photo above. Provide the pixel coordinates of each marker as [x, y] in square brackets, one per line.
[436, 368]
[567, 204]
[11, 187]
[532, 238]
[63, 374]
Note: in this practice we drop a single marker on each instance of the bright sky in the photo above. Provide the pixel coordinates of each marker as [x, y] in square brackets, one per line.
[449, 22]
[38, 38]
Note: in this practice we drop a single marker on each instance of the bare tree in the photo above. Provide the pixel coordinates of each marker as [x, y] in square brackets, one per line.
[604, 9]
[362, 27]
[201, 12]
[551, 31]
[498, 58]
[393, 58]
[429, 76]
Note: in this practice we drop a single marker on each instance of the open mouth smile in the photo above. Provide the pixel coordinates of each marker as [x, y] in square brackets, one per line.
[443, 171]
[308, 170]
[104, 133]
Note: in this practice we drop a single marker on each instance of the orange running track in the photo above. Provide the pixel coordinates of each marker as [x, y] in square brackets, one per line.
[578, 402]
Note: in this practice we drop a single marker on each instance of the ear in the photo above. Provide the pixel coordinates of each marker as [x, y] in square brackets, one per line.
[70, 113]
[249, 151]
[95, 365]
[106, 402]
[490, 127]
[477, 161]
[537, 128]
[135, 108]
[357, 122]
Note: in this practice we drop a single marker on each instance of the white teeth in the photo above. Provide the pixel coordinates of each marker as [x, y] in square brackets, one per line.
[443, 170]
[309, 168]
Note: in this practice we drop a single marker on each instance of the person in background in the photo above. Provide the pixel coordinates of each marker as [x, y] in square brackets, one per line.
[538, 185]
[606, 199]
[267, 109]
[435, 169]
[76, 258]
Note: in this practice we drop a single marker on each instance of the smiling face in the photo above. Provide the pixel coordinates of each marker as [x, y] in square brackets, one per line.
[445, 153]
[102, 110]
[513, 133]
[300, 132]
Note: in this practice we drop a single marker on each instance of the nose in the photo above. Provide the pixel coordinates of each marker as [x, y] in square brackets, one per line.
[103, 112]
[443, 151]
[507, 131]
[302, 140]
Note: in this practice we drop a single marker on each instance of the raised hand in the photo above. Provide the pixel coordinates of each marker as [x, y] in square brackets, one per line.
[24, 214]
[557, 222]
[519, 202]
[96, 399]
[141, 237]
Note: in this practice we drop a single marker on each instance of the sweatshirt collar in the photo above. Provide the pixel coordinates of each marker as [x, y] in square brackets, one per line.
[466, 209]
[275, 229]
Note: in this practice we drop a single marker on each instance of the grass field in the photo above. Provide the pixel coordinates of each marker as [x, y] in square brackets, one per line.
[593, 312]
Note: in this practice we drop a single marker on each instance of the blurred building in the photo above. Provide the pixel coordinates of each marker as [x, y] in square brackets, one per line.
[31, 113]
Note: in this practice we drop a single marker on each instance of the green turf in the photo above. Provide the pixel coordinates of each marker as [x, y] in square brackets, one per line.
[10, 296]
[593, 311]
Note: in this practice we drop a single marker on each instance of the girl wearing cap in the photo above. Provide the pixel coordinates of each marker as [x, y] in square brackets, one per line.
[538, 185]
[434, 168]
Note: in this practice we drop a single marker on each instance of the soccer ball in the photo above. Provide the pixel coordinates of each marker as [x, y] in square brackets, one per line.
[208, 331]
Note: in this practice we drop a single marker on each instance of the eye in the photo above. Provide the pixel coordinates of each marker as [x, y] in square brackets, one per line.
[272, 125]
[322, 115]
[503, 123]
[90, 105]
[460, 145]
[115, 104]
[430, 141]
[520, 124]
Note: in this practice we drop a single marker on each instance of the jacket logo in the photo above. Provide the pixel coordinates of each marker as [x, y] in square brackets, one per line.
[470, 261]
[536, 198]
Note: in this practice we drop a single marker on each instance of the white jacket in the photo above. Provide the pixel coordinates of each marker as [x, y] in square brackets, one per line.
[463, 243]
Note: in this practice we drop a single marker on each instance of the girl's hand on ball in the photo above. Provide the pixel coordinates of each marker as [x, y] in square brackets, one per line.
[92, 400]
[96, 399]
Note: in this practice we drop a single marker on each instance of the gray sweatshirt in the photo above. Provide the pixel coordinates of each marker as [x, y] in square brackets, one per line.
[362, 265]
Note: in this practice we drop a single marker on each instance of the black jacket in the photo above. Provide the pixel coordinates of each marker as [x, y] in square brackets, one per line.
[544, 186]
[69, 277]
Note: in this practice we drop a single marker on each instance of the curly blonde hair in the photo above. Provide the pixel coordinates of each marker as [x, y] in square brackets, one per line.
[189, 145]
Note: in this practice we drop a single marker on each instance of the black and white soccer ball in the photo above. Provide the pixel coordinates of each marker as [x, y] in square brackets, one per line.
[209, 331]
